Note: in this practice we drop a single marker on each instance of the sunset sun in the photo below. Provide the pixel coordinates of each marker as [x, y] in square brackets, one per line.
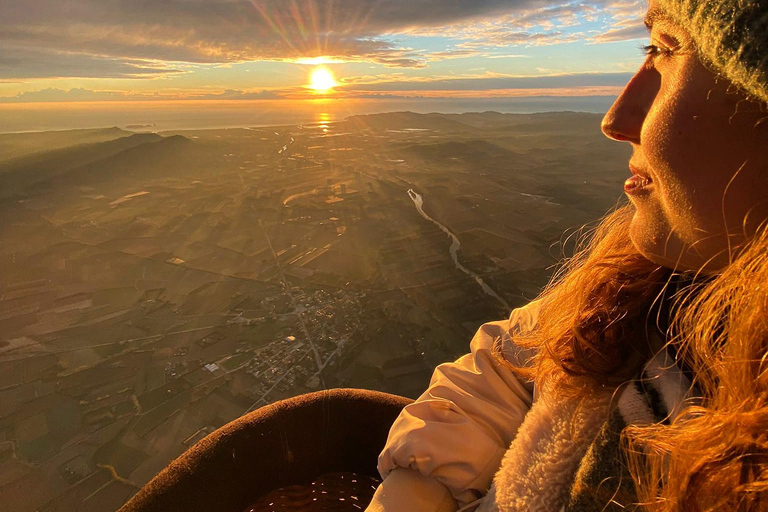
[322, 80]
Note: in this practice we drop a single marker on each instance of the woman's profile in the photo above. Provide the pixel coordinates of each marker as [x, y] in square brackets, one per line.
[638, 380]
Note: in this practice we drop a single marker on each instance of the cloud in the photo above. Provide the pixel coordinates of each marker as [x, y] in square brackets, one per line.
[626, 10]
[489, 82]
[150, 38]
[56, 95]
[509, 56]
[506, 38]
[82, 94]
[21, 63]
[147, 39]
[627, 22]
[582, 92]
[234, 94]
[115, 32]
[456, 53]
[532, 25]
[312, 17]
[622, 34]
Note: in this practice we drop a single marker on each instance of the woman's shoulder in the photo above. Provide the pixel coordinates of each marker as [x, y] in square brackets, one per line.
[499, 336]
[524, 319]
[520, 320]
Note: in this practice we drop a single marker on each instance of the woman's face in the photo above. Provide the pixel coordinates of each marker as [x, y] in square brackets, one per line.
[700, 156]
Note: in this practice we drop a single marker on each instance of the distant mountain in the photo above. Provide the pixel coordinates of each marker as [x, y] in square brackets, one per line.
[405, 121]
[482, 119]
[168, 155]
[74, 156]
[466, 151]
[19, 173]
[150, 152]
[15, 145]
[545, 121]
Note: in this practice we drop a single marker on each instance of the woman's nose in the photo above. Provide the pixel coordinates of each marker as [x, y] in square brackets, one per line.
[624, 121]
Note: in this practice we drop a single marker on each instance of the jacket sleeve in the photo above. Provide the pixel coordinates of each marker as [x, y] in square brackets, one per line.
[452, 439]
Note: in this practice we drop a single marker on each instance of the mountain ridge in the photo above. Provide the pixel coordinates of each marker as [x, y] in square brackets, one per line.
[88, 161]
[15, 145]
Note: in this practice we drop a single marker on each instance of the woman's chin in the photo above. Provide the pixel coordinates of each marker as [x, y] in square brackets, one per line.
[653, 241]
[667, 250]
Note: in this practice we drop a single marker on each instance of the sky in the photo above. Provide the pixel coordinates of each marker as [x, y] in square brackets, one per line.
[107, 50]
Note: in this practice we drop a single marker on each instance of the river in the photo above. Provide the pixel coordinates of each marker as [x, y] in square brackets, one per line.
[454, 249]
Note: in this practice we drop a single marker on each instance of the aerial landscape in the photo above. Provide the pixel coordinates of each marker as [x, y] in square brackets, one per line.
[211, 206]
[157, 285]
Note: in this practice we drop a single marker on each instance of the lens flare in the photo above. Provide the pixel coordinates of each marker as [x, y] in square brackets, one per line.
[322, 80]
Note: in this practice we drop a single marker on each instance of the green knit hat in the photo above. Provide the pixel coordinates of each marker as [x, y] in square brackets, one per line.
[731, 35]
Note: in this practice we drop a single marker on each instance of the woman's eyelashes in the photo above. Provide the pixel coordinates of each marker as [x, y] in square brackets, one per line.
[653, 49]
[653, 52]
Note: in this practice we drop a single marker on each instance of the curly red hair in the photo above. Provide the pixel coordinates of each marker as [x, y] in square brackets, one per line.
[713, 456]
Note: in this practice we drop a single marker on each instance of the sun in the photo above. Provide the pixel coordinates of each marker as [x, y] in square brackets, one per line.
[322, 80]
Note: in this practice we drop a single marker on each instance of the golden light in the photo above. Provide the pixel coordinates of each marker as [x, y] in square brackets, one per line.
[319, 61]
[322, 80]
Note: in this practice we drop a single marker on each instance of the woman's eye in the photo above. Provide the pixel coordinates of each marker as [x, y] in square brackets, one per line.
[653, 52]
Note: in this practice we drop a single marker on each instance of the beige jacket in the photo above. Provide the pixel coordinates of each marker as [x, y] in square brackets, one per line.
[444, 449]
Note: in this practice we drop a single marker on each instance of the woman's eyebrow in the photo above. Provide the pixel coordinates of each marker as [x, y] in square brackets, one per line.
[654, 15]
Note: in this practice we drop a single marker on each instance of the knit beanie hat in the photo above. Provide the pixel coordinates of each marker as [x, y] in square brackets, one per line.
[731, 36]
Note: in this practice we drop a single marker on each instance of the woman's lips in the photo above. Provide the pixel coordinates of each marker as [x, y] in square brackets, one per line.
[637, 183]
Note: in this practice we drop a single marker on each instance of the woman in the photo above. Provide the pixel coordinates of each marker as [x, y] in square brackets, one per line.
[639, 378]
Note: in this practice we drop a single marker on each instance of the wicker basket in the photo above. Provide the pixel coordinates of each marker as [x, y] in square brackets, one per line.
[334, 492]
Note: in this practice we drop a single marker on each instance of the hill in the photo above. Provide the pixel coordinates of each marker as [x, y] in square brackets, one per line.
[149, 159]
[15, 145]
[20, 173]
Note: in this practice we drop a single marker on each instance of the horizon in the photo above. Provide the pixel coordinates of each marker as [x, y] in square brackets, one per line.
[160, 116]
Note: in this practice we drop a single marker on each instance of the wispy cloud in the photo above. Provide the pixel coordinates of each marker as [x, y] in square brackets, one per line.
[627, 33]
[57, 95]
[77, 94]
[18, 63]
[627, 22]
[486, 82]
[606, 92]
[533, 25]
[512, 56]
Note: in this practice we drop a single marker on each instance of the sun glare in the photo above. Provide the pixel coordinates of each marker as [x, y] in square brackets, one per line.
[322, 80]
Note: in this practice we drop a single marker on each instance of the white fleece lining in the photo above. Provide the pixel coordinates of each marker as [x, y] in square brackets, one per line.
[537, 470]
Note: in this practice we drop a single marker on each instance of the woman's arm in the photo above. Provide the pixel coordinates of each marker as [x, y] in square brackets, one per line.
[444, 449]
